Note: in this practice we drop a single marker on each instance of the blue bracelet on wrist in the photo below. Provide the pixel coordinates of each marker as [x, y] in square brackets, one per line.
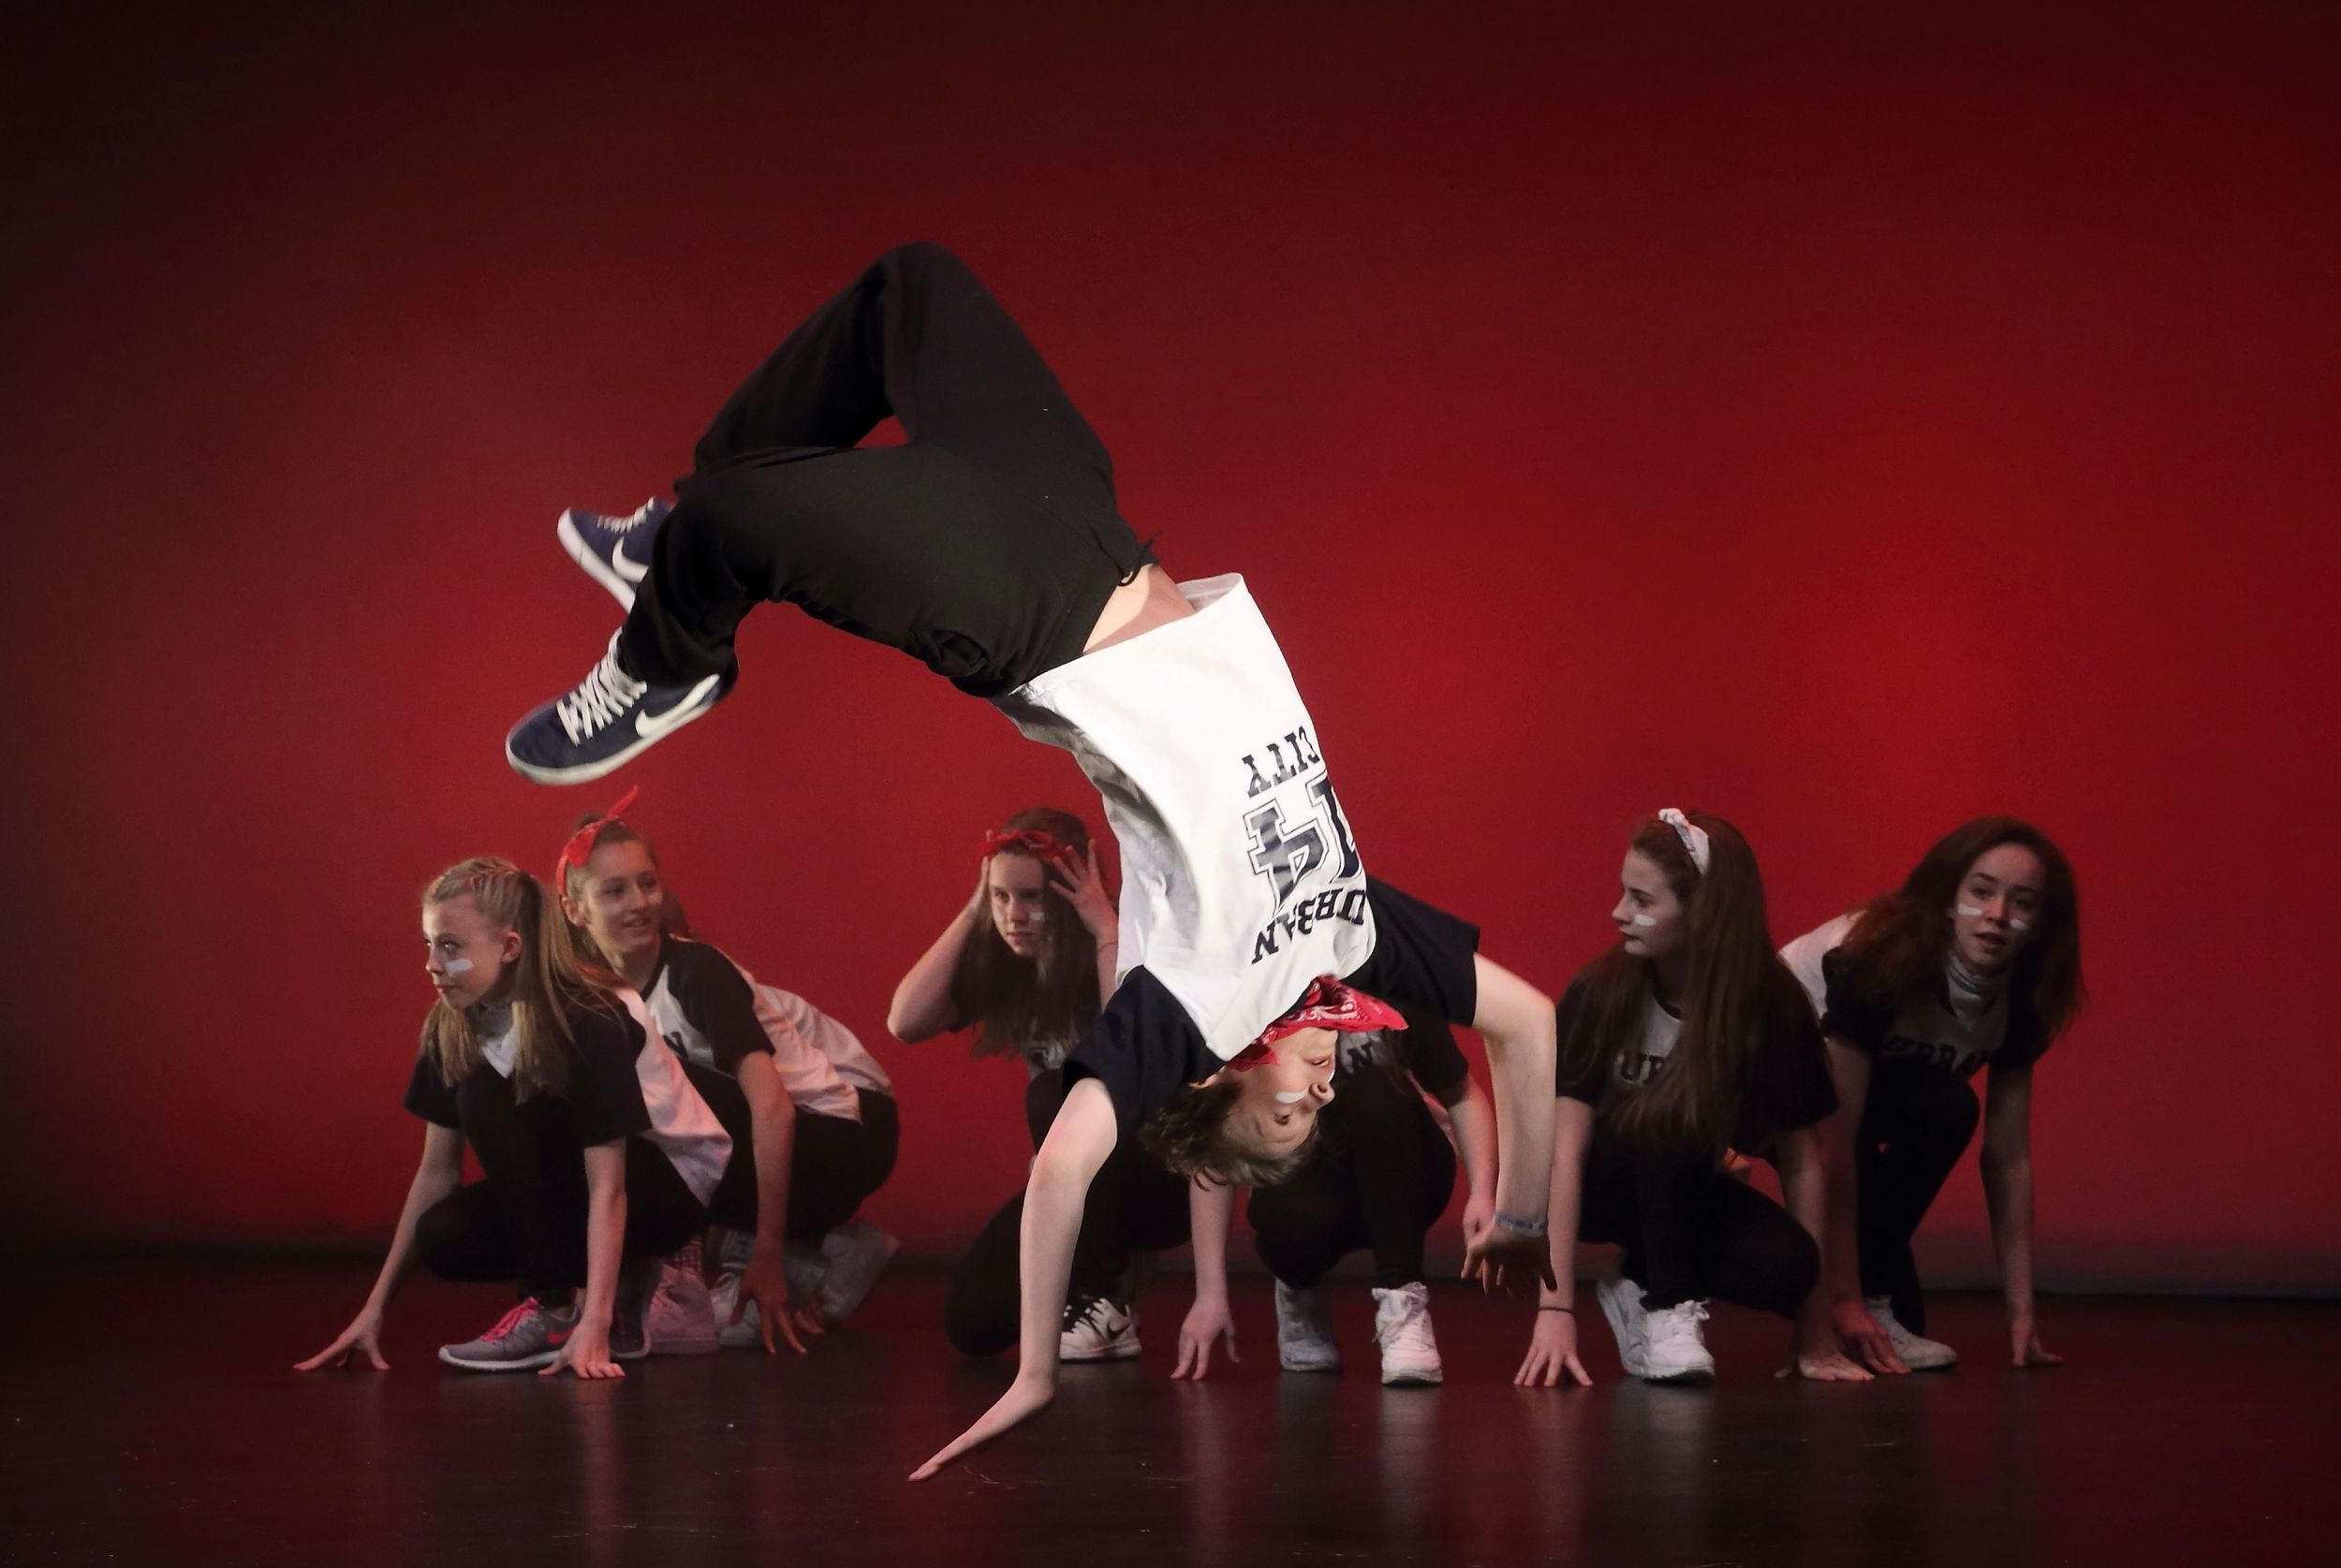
[1525, 1227]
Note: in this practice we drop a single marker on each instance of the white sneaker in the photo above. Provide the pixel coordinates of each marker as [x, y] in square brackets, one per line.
[1621, 1303]
[856, 1252]
[1304, 1330]
[1402, 1327]
[747, 1334]
[1097, 1328]
[1918, 1352]
[679, 1319]
[1675, 1351]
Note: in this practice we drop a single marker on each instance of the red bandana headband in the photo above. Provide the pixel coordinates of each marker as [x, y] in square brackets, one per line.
[1327, 1005]
[1032, 841]
[580, 844]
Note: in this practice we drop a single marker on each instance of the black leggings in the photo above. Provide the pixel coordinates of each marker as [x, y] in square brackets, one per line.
[1692, 1233]
[1380, 1178]
[1135, 1203]
[835, 1164]
[986, 547]
[1916, 1123]
[526, 1220]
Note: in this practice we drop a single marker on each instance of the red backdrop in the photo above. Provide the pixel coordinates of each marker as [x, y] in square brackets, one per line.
[1845, 424]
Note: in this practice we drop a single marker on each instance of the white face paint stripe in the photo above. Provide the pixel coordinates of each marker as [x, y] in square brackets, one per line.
[2017, 922]
[456, 966]
[1968, 911]
[1291, 1096]
[1645, 921]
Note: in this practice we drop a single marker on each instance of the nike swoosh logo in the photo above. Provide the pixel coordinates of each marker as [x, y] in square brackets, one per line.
[649, 726]
[627, 569]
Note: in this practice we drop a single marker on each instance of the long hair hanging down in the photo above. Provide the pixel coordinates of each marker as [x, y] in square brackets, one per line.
[550, 983]
[1014, 1002]
[1735, 992]
[1896, 949]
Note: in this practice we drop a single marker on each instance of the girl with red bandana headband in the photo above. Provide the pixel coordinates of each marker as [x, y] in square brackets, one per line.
[809, 1146]
[1380, 1178]
[991, 547]
[1023, 964]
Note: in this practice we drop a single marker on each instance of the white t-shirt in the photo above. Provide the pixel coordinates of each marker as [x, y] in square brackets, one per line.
[680, 1123]
[781, 1011]
[1240, 880]
[708, 1010]
[1805, 954]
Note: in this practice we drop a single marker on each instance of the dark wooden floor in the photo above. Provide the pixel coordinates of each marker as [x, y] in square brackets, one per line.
[150, 1417]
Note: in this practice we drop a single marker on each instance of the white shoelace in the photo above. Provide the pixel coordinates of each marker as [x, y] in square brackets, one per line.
[1409, 1328]
[600, 699]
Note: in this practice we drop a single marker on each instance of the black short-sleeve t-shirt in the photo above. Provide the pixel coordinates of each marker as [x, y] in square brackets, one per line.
[603, 1090]
[1927, 1033]
[1788, 1085]
[704, 1007]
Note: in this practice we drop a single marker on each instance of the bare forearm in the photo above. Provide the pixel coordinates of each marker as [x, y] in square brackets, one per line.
[1805, 1185]
[922, 1006]
[1515, 1022]
[1474, 1121]
[1564, 1197]
[2008, 1191]
[775, 1134]
[1211, 1213]
[431, 1184]
[605, 1241]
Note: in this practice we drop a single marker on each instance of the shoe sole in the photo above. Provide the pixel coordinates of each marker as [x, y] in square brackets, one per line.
[596, 568]
[1688, 1374]
[1118, 1352]
[1331, 1365]
[704, 697]
[1612, 1310]
[1413, 1380]
[526, 1364]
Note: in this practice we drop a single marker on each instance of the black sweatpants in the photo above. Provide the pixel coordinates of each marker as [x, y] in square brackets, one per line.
[1380, 1178]
[1916, 1123]
[1691, 1232]
[525, 1220]
[834, 1166]
[986, 547]
[1135, 1203]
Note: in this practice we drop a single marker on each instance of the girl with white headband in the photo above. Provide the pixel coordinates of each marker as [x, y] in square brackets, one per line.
[1685, 1042]
[1974, 960]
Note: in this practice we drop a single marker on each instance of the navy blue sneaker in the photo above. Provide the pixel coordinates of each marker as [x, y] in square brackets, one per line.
[608, 718]
[615, 552]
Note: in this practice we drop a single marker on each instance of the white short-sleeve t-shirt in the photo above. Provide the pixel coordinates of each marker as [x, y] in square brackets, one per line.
[1241, 879]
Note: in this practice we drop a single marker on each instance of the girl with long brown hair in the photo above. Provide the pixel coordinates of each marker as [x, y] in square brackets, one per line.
[593, 1146]
[1685, 1042]
[1974, 960]
[1023, 966]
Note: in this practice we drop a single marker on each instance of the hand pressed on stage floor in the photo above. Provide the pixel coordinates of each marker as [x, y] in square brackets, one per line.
[2024, 1340]
[1551, 1358]
[1207, 1322]
[1824, 1366]
[1864, 1342]
[765, 1281]
[364, 1334]
[1024, 1397]
[586, 1353]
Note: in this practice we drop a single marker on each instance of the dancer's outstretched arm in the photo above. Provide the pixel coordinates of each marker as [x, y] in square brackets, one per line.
[1079, 1141]
[1515, 1020]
